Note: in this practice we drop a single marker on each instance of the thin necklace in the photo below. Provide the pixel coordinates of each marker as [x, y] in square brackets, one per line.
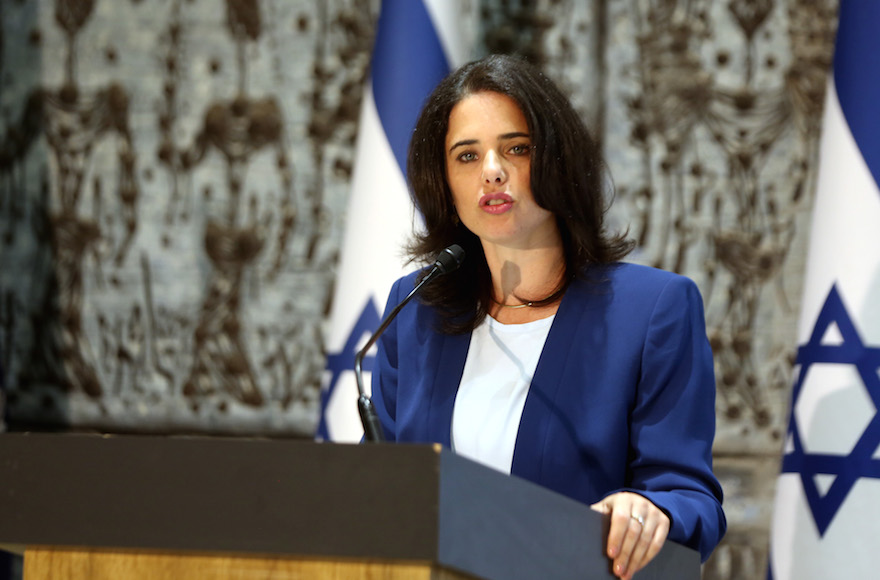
[534, 303]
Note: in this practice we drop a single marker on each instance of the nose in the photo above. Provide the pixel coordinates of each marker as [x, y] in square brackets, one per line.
[493, 169]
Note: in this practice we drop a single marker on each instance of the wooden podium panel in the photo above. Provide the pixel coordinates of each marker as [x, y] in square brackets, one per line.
[59, 563]
[250, 505]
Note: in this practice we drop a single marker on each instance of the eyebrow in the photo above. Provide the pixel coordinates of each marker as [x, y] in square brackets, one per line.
[502, 137]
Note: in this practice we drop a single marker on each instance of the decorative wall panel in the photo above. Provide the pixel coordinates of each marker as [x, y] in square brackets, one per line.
[173, 188]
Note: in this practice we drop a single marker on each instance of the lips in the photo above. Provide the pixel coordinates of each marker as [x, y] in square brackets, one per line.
[496, 203]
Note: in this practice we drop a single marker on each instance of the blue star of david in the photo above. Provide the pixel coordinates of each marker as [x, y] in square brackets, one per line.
[343, 360]
[859, 463]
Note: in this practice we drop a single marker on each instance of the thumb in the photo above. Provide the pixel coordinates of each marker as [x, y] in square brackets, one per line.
[601, 507]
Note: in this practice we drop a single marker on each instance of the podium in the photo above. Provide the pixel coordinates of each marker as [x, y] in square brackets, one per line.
[139, 507]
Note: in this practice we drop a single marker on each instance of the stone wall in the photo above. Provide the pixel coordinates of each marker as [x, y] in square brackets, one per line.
[172, 209]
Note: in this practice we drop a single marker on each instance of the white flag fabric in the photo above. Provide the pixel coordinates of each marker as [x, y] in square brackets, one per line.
[416, 44]
[826, 521]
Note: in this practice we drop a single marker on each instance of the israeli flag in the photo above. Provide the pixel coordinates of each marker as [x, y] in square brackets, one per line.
[417, 43]
[826, 521]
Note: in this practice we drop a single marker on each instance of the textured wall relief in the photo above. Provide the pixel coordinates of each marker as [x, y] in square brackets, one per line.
[74, 217]
[185, 217]
[235, 236]
[724, 128]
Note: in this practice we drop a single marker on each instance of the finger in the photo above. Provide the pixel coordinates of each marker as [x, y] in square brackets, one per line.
[620, 522]
[658, 539]
[638, 559]
[634, 530]
[650, 542]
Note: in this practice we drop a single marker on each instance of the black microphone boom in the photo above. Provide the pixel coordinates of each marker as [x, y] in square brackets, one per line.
[447, 261]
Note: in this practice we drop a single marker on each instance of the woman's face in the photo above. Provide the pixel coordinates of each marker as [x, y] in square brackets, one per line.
[488, 168]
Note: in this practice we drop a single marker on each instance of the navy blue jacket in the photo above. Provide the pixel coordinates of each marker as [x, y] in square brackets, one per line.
[623, 397]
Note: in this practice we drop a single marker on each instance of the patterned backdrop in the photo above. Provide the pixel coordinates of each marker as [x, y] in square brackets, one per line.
[174, 177]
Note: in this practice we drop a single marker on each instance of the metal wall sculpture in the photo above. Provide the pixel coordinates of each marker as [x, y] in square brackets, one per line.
[182, 241]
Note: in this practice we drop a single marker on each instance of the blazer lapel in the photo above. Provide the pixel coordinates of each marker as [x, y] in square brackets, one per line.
[447, 376]
[542, 402]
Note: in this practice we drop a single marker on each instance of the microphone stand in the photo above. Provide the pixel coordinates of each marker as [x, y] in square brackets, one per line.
[449, 260]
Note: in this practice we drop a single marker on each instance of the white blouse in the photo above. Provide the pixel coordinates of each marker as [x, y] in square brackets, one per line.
[500, 364]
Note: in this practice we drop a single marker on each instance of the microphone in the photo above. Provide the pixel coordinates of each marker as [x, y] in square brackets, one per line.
[447, 261]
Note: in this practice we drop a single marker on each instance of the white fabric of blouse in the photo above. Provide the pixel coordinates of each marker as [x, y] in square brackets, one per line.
[500, 364]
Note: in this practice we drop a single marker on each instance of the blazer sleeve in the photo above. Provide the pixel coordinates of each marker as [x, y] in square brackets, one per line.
[673, 420]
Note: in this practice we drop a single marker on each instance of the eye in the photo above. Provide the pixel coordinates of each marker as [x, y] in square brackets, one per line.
[467, 156]
[520, 149]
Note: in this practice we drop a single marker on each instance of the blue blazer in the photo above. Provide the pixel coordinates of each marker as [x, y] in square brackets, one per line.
[623, 397]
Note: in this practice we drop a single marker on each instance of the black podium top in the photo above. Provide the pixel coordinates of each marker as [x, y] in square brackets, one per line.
[297, 498]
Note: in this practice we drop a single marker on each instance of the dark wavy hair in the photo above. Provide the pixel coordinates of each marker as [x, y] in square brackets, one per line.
[566, 179]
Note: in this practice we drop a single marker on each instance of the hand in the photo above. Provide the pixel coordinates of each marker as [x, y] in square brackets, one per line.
[638, 531]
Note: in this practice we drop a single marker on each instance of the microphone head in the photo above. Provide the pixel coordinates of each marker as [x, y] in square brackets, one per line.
[449, 259]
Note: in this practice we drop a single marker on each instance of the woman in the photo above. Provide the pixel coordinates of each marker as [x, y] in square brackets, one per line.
[543, 356]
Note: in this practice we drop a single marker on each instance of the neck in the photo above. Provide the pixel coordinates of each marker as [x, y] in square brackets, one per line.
[526, 277]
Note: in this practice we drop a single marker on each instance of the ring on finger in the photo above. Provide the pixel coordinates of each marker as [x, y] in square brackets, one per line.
[639, 519]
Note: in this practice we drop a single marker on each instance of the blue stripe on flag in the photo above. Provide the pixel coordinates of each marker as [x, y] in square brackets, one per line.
[857, 75]
[408, 62]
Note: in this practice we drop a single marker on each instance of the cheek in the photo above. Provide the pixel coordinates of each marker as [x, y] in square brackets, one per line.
[525, 174]
[458, 206]
[457, 186]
